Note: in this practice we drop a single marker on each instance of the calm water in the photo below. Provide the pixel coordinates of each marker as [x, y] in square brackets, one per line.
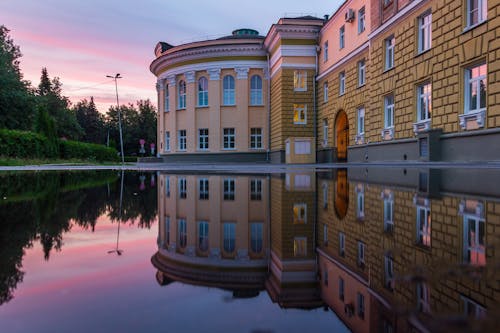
[366, 250]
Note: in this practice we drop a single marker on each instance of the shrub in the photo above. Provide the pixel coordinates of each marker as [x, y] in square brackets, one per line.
[22, 144]
[90, 151]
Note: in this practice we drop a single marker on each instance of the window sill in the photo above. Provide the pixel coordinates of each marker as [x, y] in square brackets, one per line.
[342, 94]
[228, 149]
[360, 139]
[477, 116]
[422, 125]
[300, 123]
[256, 149]
[419, 53]
[300, 89]
[181, 151]
[388, 69]
[361, 85]
[228, 105]
[388, 133]
[472, 27]
[256, 104]
[202, 106]
[202, 150]
[181, 109]
[167, 111]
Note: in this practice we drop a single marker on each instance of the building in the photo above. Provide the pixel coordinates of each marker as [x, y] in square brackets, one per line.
[379, 80]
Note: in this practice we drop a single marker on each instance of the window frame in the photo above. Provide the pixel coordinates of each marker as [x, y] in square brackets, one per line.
[255, 189]
[299, 80]
[342, 37]
[229, 237]
[341, 83]
[229, 188]
[325, 132]
[182, 142]
[203, 139]
[256, 84]
[167, 141]
[202, 100]
[203, 236]
[325, 51]
[389, 45]
[182, 186]
[325, 92]
[181, 95]
[482, 10]
[203, 189]
[469, 80]
[360, 128]
[229, 138]
[361, 20]
[166, 102]
[300, 114]
[256, 138]
[361, 72]
[424, 32]
[228, 90]
[424, 98]
[389, 111]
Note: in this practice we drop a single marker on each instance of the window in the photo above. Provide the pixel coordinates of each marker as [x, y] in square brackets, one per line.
[389, 111]
[256, 138]
[424, 101]
[229, 138]
[203, 189]
[341, 288]
[388, 215]
[389, 52]
[300, 80]
[302, 147]
[256, 90]
[229, 237]
[361, 73]
[256, 236]
[361, 254]
[182, 233]
[325, 92]
[341, 244]
[342, 83]
[477, 11]
[423, 297]
[300, 213]
[181, 102]
[167, 186]
[361, 20]
[182, 140]
[473, 309]
[203, 91]
[300, 246]
[299, 114]
[389, 272]
[203, 138]
[228, 90]
[325, 51]
[255, 189]
[361, 121]
[325, 235]
[182, 188]
[167, 230]
[424, 32]
[167, 141]
[167, 99]
[325, 195]
[423, 226]
[325, 132]
[360, 211]
[228, 189]
[475, 89]
[474, 240]
[342, 37]
[360, 300]
[203, 236]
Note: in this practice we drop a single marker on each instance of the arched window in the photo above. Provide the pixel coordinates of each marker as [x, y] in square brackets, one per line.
[228, 90]
[203, 91]
[182, 95]
[167, 99]
[256, 90]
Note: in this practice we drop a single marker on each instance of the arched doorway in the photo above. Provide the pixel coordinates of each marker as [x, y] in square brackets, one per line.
[341, 193]
[341, 135]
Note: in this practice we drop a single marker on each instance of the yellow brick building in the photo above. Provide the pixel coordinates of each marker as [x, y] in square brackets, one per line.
[379, 80]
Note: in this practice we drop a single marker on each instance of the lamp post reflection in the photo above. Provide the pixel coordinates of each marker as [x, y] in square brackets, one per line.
[117, 250]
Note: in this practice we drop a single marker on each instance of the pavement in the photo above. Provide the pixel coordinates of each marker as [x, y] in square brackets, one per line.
[253, 167]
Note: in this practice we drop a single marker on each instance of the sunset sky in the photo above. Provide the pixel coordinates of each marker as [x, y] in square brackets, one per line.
[83, 41]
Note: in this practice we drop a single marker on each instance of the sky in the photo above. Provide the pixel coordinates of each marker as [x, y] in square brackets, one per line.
[83, 41]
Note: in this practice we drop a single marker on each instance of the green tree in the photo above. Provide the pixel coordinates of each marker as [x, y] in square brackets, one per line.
[91, 121]
[130, 121]
[50, 98]
[147, 121]
[16, 98]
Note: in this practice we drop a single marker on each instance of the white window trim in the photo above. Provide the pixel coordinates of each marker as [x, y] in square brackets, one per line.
[202, 94]
[389, 45]
[480, 14]
[255, 137]
[325, 133]
[207, 140]
[179, 142]
[229, 136]
[228, 94]
[361, 73]
[300, 207]
[299, 75]
[167, 141]
[325, 92]
[256, 98]
[300, 110]
[388, 108]
[181, 98]
[166, 104]
[325, 51]
[423, 227]
[342, 83]
[341, 244]
[361, 20]
[478, 114]
[342, 37]
[424, 32]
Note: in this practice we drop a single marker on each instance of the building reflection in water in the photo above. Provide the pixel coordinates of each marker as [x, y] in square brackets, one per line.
[387, 250]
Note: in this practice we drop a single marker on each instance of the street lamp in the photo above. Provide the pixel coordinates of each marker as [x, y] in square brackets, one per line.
[117, 76]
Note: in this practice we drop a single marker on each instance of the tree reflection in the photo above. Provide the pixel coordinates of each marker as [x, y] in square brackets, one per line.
[41, 207]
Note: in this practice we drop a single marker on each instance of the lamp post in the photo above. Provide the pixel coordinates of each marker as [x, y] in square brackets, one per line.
[117, 76]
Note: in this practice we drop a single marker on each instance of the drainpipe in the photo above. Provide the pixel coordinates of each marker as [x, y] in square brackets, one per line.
[268, 157]
[315, 112]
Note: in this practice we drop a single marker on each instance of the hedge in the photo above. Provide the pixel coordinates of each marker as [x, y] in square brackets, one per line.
[88, 151]
[21, 144]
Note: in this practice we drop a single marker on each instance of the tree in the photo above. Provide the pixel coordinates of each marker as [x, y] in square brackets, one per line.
[16, 98]
[50, 98]
[91, 121]
[147, 121]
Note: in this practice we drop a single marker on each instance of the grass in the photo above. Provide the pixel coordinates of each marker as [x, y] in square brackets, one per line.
[9, 161]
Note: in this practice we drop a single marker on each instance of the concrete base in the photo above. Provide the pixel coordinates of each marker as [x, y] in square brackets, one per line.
[395, 150]
[277, 157]
[261, 157]
[327, 155]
